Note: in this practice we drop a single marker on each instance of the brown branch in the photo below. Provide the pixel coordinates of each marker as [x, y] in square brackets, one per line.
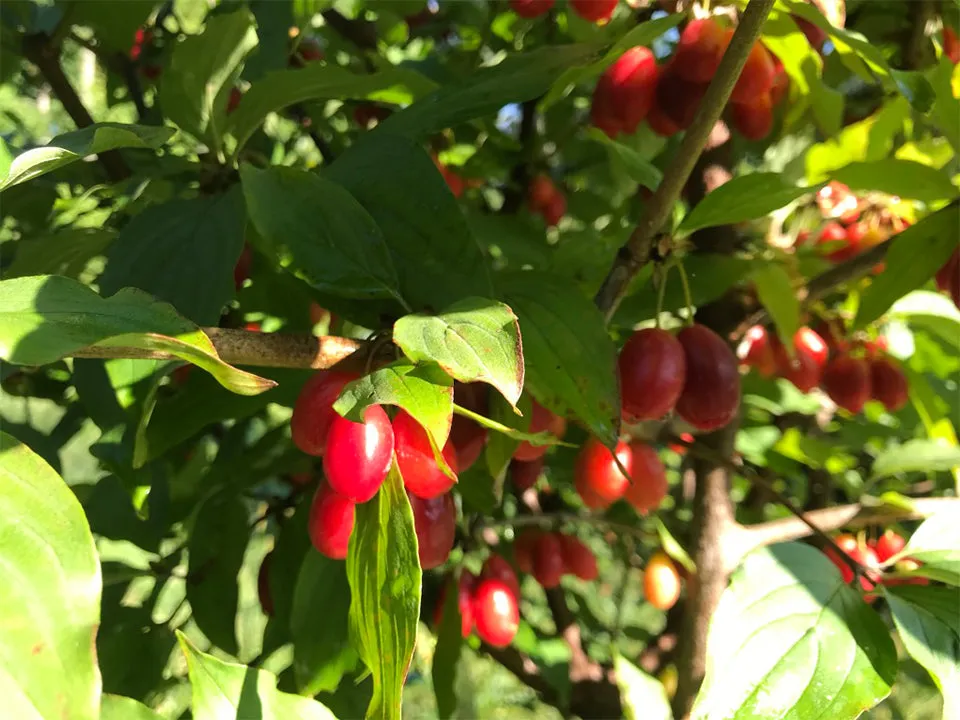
[636, 252]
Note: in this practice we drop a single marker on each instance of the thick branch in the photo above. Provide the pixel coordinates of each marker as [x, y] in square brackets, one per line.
[636, 253]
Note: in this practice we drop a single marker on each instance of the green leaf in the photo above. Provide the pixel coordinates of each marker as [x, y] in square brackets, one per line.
[384, 573]
[217, 543]
[904, 178]
[640, 169]
[280, 89]
[747, 197]
[930, 311]
[201, 73]
[473, 340]
[69, 147]
[424, 391]
[437, 258]
[47, 317]
[332, 241]
[936, 545]
[673, 548]
[65, 252]
[776, 294]
[319, 625]
[915, 456]
[914, 257]
[929, 626]
[446, 655]
[521, 77]
[117, 707]
[50, 604]
[571, 362]
[182, 252]
[946, 109]
[229, 690]
[643, 697]
[791, 639]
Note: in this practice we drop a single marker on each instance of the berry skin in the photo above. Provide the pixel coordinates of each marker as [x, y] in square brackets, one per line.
[531, 8]
[524, 475]
[649, 479]
[497, 568]
[661, 582]
[753, 120]
[834, 233]
[548, 565]
[757, 76]
[541, 420]
[809, 358]
[701, 46]
[496, 613]
[421, 474]
[888, 545]
[465, 588]
[863, 555]
[263, 585]
[331, 522]
[660, 123]
[577, 558]
[358, 455]
[523, 550]
[652, 373]
[781, 82]
[847, 381]
[711, 394]
[435, 521]
[757, 350]
[594, 10]
[596, 471]
[678, 99]
[625, 92]
[313, 411]
[888, 383]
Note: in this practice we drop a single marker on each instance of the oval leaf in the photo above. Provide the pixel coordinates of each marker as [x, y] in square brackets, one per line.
[643, 697]
[790, 639]
[384, 573]
[50, 604]
[936, 545]
[473, 340]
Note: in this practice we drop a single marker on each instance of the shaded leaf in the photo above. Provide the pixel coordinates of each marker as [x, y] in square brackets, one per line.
[936, 545]
[65, 252]
[640, 168]
[775, 292]
[915, 456]
[643, 697]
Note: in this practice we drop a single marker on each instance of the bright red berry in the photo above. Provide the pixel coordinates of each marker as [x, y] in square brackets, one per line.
[861, 554]
[435, 521]
[313, 411]
[652, 373]
[358, 455]
[548, 565]
[649, 486]
[524, 475]
[846, 380]
[594, 10]
[541, 420]
[757, 350]
[888, 383]
[840, 247]
[497, 568]
[577, 558]
[661, 581]
[757, 76]
[331, 522]
[541, 192]
[597, 473]
[263, 585]
[805, 368]
[421, 474]
[465, 588]
[888, 545]
[753, 120]
[625, 92]
[699, 50]
[711, 393]
[531, 8]
[496, 613]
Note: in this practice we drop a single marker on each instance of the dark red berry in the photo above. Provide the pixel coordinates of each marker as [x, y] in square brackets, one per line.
[678, 99]
[625, 92]
[577, 558]
[313, 411]
[523, 549]
[531, 8]
[652, 373]
[805, 368]
[757, 76]
[541, 420]
[524, 475]
[497, 568]
[435, 521]
[331, 522]
[753, 120]
[548, 565]
[888, 383]
[358, 455]
[846, 380]
[465, 588]
[711, 394]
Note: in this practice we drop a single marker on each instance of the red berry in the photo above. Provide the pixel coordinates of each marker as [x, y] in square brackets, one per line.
[781, 82]
[711, 394]
[241, 271]
[888, 383]
[948, 278]
[649, 479]
[863, 555]
[531, 8]
[625, 92]
[313, 411]
[358, 455]
[815, 36]
[805, 368]
[753, 120]
[467, 437]
[846, 380]
[678, 99]
[548, 565]
[906, 565]
[496, 613]
[842, 248]
[888, 545]
[701, 46]
[577, 558]
[541, 193]
[524, 475]
[757, 76]
[659, 122]
[234, 100]
[421, 474]
[594, 10]
[596, 471]
[951, 44]
[331, 522]
[661, 582]
[308, 50]
[757, 350]
[652, 373]
[554, 211]
[541, 420]
[465, 588]
[435, 521]
[497, 568]
[263, 585]
[523, 549]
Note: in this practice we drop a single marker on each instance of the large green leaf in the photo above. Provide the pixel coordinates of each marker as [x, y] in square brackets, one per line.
[47, 317]
[424, 391]
[904, 178]
[520, 77]
[747, 197]
[280, 89]
[228, 690]
[69, 147]
[571, 362]
[446, 655]
[384, 573]
[914, 257]
[66, 252]
[473, 340]
[50, 604]
[791, 640]
[437, 258]
[319, 625]
[217, 543]
[776, 294]
[919, 455]
[332, 241]
[929, 626]
[117, 707]
[936, 545]
[200, 75]
[946, 110]
[931, 311]
[643, 697]
[182, 252]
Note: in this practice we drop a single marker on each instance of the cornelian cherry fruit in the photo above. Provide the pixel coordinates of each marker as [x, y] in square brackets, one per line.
[753, 120]
[757, 76]
[625, 92]
[661, 581]
[597, 471]
[888, 545]
[421, 474]
[541, 420]
[313, 411]
[496, 613]
[652, 373]
[548, 564]
[699, 50]
[864, 555]
[435, 521]
[467, 437]
[846, 380]
[594, 10]
[331, 522]
[840, 247]
[649, 486]
[805, 368]
[531, 8]
[711, 393]
[577, 558]
[358, 455]
[524, 475]
[678, 99]
[554, 211]
[465, 588]
[540, 193]
[756, 350]
[497, 568]
[888, 383]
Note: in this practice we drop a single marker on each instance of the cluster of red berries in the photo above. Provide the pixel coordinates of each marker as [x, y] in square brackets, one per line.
[600, 481]
[856, 373]
[489, 604]
[546, 199]
[596, 11]
[948, 278]
[548, 556]
[634, 88]
[872, 554]
[143, 45]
